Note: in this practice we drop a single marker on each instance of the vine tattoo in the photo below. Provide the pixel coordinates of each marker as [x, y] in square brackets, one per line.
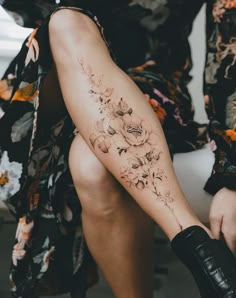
[121, 129]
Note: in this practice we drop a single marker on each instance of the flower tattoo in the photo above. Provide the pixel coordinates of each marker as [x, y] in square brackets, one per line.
[120, 128]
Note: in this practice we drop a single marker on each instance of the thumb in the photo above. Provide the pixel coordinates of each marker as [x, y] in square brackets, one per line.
[216, 225]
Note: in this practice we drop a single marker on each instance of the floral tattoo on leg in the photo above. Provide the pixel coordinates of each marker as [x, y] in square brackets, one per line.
[122, 129]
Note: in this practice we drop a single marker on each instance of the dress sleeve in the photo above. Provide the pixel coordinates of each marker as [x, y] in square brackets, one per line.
[220, 92]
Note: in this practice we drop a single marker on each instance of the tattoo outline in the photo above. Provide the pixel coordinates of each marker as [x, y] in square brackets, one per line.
[121, 128]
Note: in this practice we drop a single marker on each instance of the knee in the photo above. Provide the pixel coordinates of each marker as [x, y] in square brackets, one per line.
[69, 29]
[99, 193]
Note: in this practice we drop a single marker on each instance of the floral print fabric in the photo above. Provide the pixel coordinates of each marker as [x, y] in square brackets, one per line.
[220, 91]
[50, 254]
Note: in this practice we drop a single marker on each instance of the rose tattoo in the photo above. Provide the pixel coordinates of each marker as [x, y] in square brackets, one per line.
[120, 128]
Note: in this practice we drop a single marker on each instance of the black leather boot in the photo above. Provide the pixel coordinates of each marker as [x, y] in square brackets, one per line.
[210, 261]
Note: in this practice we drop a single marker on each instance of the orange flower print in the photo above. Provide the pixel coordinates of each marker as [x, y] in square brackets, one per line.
[33, 52]
[146, 64]
[5, 90]
[229, 4]
[231, 134]
[24, 230]
[25, 93]
[220, 7]
[159, 111]
[34, 199]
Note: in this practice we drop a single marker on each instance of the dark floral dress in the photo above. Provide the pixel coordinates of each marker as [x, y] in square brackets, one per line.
[220, 91]
[148, 40]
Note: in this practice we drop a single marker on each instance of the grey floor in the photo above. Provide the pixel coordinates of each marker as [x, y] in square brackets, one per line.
[177, 284]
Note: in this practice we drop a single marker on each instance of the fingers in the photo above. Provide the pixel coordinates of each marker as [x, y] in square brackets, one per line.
[220, 226]
[223, 216]
[215, 218]
[216, 225]
[229, 232]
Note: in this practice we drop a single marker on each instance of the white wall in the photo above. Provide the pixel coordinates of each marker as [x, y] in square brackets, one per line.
[11, 37]
[197, 43]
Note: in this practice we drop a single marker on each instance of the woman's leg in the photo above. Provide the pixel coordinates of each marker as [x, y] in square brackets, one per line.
[121, 129]
[118, 233]
[107, 211]
[116, 121]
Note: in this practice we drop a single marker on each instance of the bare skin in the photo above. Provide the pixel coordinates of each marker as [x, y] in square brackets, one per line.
[86, 75]
[107, 207]
[88, 80]
[118, 233]
[223, 216]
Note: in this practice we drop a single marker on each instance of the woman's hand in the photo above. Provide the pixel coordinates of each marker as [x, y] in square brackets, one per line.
[223, 216]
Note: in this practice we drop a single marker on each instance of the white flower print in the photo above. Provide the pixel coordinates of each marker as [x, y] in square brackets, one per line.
[2, 113]
[218, 10]
[220, 7]
[228, 49]
[33, 52]
[18, 253]
[46, 259]
[23, 232]
[10, 173]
